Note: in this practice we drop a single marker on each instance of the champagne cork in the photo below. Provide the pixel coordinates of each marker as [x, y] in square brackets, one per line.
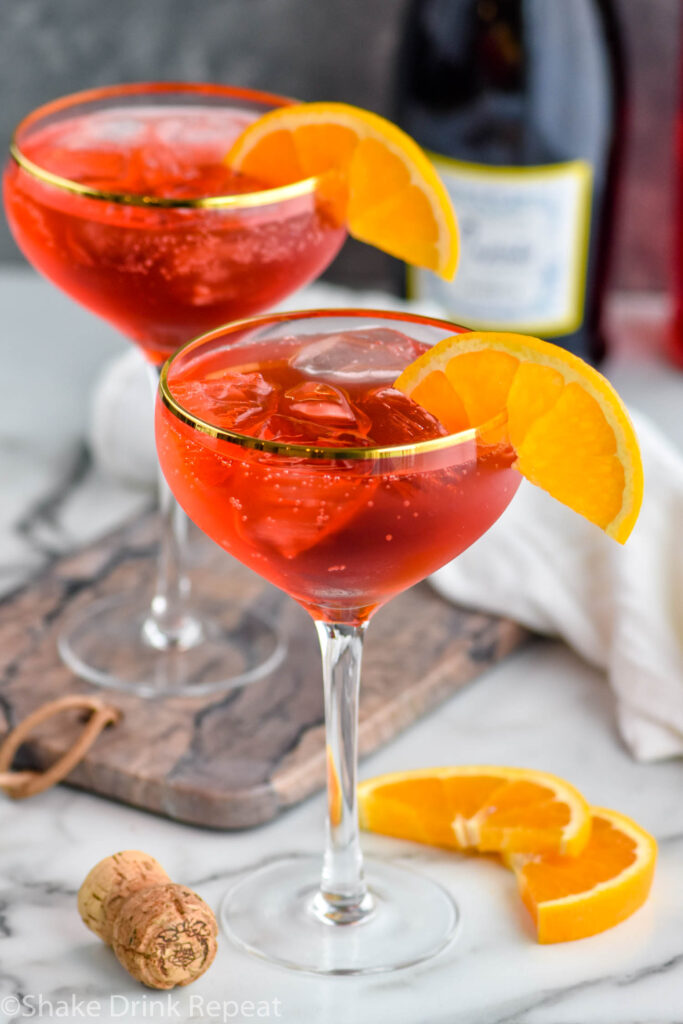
[162, 933]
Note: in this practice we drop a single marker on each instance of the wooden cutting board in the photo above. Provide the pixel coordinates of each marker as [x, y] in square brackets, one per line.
[235, 759]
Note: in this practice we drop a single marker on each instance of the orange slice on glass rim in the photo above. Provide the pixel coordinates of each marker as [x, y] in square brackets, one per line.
[567, 425]
[483, 808]
[574, 897]
[375, 178]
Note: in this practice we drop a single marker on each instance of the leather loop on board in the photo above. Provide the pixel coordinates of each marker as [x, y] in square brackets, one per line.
[22, 784]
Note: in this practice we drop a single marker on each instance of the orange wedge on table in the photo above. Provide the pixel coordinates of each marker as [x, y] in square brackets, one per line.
[375, 177]
[567, 425]
[574, 897]
[482, 808]
[580, 870]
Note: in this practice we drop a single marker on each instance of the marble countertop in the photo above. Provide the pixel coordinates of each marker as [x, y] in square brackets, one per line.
[543, 708]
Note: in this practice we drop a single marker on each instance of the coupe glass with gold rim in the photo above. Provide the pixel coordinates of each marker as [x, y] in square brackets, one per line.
[121, 197]
[284, 440]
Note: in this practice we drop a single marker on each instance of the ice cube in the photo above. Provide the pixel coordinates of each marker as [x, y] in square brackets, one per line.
[316, 413]
[292, 430]
[212, 130]
[324, 403]
[396, 419]
[104, 128]
[291, 508]
[240, 401]
[91, 167]
[376, 355]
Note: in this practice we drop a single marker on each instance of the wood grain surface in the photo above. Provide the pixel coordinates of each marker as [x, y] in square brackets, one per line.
[234, 759]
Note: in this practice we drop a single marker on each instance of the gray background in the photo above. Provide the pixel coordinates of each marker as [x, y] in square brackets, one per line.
[321, 49]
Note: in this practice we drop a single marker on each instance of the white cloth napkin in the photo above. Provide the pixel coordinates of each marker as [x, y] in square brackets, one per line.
[121, 421]
[620, 607]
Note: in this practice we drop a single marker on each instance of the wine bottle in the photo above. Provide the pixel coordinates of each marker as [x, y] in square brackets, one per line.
[520, 103]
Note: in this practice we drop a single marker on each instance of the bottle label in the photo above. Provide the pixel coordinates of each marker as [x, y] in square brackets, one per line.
[523, 247]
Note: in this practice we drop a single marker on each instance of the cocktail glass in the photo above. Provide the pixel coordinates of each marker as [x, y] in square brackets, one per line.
[120, 197]
[341, 530]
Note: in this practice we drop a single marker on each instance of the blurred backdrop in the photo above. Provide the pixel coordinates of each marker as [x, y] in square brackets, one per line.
[324, 49]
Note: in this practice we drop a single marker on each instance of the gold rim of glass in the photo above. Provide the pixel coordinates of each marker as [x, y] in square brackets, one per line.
[302, 451]
[245, 200]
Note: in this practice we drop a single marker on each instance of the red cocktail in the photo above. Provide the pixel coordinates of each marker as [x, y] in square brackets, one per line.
[121, 197]
[284, 440]
[151, 230]
[340, 536]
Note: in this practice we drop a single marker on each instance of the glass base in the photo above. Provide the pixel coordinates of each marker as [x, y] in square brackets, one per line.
[113, 642]
[272, 913]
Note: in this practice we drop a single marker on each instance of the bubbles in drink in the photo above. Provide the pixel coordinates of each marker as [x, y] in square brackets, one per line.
[300, 506]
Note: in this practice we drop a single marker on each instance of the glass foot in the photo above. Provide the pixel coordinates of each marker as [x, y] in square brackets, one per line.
[112, 642]
[272, 913]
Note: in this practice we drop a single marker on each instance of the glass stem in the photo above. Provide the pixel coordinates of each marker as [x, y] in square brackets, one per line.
[169, 625]
[343, 897]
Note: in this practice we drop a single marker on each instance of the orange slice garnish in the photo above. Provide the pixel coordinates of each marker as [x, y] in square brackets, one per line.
[375, 178]
[573, 897]
[570, 430]
[477, 808]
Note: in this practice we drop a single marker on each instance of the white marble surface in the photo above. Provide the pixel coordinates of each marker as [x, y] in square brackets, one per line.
[542, 708]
